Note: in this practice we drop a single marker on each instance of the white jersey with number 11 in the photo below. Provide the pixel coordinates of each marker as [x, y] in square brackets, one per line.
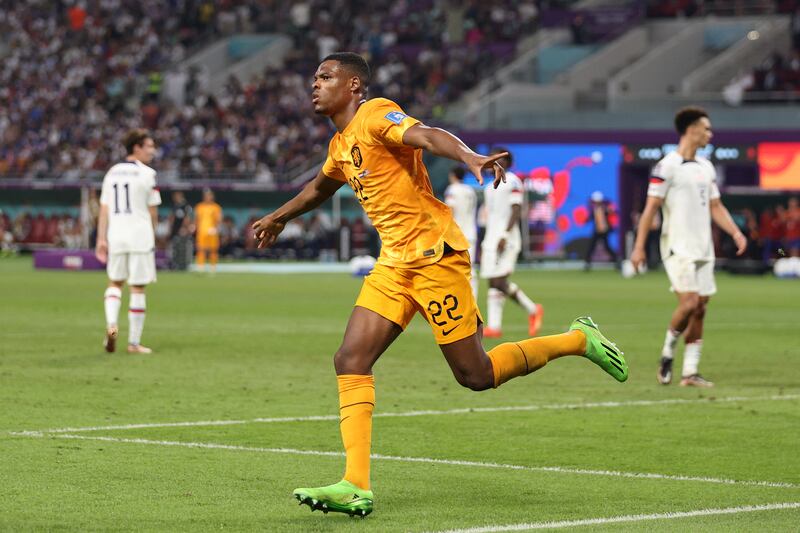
[129, 190]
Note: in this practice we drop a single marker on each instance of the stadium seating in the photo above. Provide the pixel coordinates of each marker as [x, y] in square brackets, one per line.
[67, 105]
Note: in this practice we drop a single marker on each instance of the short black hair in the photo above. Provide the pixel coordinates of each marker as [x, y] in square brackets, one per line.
[355, 63]
[687, 116]
[458, 172]
[500, 150]
[135, 137]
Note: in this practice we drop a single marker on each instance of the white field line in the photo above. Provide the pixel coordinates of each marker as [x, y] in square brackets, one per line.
[462, 411]
[629, 518]
[425, 460]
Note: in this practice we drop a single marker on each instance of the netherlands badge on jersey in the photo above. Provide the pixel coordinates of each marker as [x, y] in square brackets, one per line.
[395, 116]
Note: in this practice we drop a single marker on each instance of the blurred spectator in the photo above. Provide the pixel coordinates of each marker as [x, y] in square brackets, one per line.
[578, 29]
[796, 26]
[793, 227]
[229, 238]
[180, 234]
[749, 226]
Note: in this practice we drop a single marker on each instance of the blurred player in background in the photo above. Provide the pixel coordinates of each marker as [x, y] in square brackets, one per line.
[683, 185]
[423, 266]
[600, 215]
[208, 218]
[499, 251]
[463, 201]
[129, 203]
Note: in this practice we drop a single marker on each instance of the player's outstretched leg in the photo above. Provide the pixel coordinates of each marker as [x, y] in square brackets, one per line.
[513, 359]
[600, 350]
[342, 497]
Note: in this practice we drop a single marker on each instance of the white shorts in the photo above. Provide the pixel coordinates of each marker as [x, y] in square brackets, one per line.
[135, 268]
[494, 265]
[689, 275]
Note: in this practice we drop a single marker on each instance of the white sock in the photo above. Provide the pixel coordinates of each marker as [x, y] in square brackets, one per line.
[691, 357]
[474, 284]
[670, 340]
[495, 302]
[136, 311]
[112, 301]
[521, 298]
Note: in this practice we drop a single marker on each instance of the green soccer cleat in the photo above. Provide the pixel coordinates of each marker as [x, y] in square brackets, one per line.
[342, 497]
[600, 350]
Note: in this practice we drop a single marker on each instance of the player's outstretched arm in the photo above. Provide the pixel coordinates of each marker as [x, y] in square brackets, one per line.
[313, 194]
[638, 256]
[443, 143]
[723, 219]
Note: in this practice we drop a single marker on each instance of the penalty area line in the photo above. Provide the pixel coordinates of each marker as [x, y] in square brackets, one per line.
[628, 518]
[460, 411]
[423, 460]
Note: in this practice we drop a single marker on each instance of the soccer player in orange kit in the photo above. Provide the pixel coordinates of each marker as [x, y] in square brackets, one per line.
[208, 217]
[424, 266]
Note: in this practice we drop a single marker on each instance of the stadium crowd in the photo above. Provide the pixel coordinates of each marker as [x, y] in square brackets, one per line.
[75, 74]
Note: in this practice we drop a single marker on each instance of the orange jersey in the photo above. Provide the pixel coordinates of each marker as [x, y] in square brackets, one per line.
[208, 216]
[392, 185]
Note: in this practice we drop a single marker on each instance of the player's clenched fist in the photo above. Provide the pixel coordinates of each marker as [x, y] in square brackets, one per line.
[267, 230]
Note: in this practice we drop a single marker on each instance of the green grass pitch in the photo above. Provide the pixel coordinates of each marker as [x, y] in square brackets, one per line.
[241, 347]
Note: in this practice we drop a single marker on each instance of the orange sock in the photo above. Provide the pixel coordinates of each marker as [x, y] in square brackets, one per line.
[200, 257]
[356, 402]
[213, 257]
[512, 359]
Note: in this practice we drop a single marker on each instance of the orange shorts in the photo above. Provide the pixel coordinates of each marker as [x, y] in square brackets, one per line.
[440, 292]
[207, 242]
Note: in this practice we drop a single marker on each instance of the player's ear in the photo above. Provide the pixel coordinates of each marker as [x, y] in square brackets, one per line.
[356, 86]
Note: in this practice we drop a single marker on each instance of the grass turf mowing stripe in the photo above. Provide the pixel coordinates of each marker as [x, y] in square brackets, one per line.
[465, 410]
[425, 460]
[629, 518]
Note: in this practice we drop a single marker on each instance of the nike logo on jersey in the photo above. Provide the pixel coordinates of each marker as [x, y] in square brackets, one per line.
[447, 332]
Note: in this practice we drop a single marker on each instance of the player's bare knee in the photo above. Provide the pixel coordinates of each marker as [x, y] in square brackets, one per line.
[347, 361]
[476, 381]
[689, 303]
[700, 309]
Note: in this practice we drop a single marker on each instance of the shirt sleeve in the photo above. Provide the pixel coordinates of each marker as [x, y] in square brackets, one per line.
[155, 195]
[105, 193]
[332, 171]
[660, 179]
[387, 123]
[714, 191]
[515, 196]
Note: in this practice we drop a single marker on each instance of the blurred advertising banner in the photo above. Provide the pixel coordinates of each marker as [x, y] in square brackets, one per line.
[560, 180]
[779, 166]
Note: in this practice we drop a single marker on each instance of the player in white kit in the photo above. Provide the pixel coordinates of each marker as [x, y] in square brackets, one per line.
[463, 200]
[499, 250]
[125, 236]
[683, 185]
